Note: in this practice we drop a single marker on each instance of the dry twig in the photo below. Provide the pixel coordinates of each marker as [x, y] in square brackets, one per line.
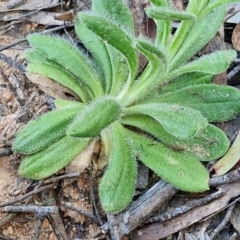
[220, 227]
[4, 204]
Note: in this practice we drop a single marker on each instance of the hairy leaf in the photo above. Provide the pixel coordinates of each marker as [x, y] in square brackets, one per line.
[98, 49]
[213, 63]
[216, 3]
[173, 118]
[95, 117]
[120, 70]
[152, 73]
[116, 11]
[72, 60]
[59, 75]
[51, 159]
[199, 35]
[185, 80]
[168, 14]
[216, 103]
[45, 130]
[181, 170]
[117, 38]
[209, 143]
[118, 183]
[163, 31]
[63, 103]
[40, 64]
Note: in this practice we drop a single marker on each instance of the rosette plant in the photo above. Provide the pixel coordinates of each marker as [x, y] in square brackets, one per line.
[160, 116]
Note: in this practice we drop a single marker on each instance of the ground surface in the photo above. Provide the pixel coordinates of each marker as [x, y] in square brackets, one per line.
[21, 100]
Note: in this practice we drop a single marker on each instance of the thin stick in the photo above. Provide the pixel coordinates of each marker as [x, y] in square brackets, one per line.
[17, 114]
[185, 208]
[233, 72]
[7, 219]
[12, 63]
[45, 31]
[81, 211]
[40, 210]
[220, 227]
[93, 198]
[232, 176]
[55, 179]
[39, 227]
[4, 204]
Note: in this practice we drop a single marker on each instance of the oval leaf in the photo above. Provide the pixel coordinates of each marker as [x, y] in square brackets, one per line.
[95, 117]
[213, 63]
[74, 60]
[209, 144]
[98, 49]
[174, 118]
[118, 183]
[115, 37]
[116, 11]
[45, 130]
[53, 158]
[181, 170]
[183, 47]
[210, 99]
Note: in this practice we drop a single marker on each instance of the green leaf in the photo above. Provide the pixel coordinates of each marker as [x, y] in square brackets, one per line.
[41, 65]
[216, 3]
[182, 171]
[120, 70]
[117, 38]
[118, 183]
[98, 49]
[163, 32]
[172, 117]
[60, 76]
[161, 3]
[63, 103]
[209, 143]
[164, 13]
[45, 130]
[196, 6]
[95, 117]
[194, 37]
[152, 74]
[74, 60]
[216, 103]
[213, 63]
[185, 80]
[182, 81]
[163, 26]
[115, 11]
[51, 159]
